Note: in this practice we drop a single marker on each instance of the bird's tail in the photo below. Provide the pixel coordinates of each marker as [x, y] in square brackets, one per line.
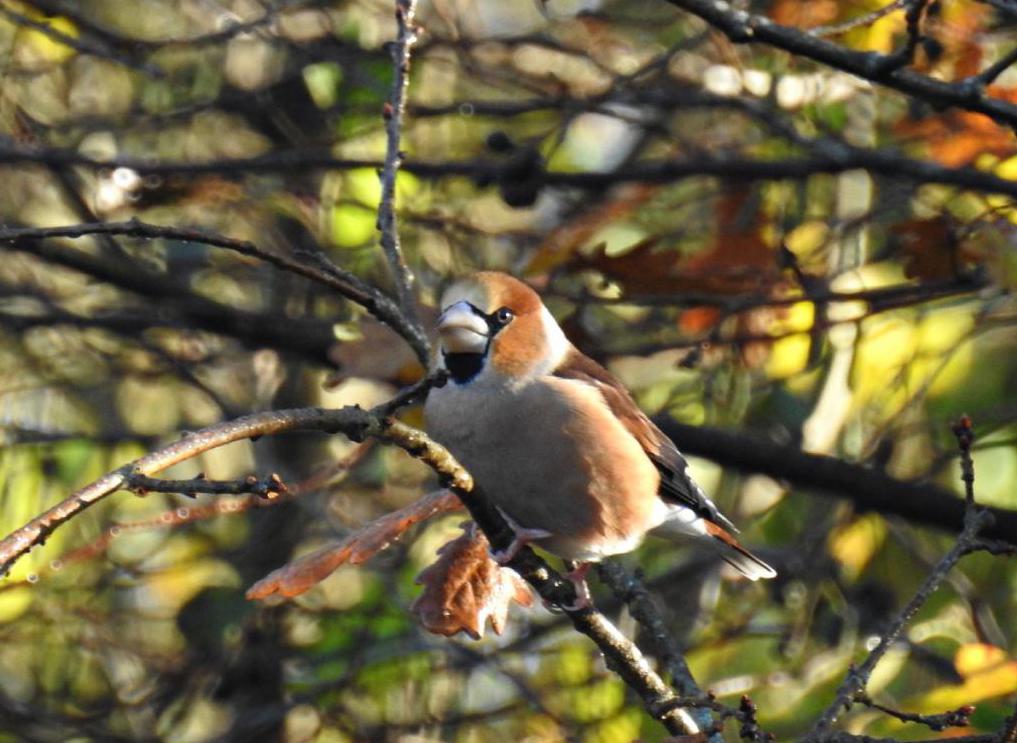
[735, 555]
[684, 524]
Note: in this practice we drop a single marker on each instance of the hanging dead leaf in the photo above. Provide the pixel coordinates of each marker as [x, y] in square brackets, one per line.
[465, 588]
[739, 260]
[302, 574]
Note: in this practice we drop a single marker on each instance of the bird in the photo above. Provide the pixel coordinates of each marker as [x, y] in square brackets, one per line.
[555, 441]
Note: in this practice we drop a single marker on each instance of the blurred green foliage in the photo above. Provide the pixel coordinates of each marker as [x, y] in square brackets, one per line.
[716, 301]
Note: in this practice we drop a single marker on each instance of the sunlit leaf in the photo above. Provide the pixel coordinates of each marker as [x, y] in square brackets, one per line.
[988, 672]
[323, 80]
[854, 545]
[304, 573]
[45, 46]
[352, 225]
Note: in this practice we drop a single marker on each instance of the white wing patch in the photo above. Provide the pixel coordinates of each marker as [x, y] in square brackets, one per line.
[681, 521]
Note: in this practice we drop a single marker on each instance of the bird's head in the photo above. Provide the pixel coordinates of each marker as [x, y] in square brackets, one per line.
[494, 328]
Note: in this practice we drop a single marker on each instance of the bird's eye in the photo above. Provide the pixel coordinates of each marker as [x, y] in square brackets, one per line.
[504, 316]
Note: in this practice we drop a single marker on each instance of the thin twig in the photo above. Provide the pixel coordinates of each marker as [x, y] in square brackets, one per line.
[955, 718]
[268, 487]
[989, 74]
[393, 113]
[965, 433]
[906, 54]
[629, 589]
[413, 393]
[975, 519]
[853, 23]
[858, 677]
[172, 518]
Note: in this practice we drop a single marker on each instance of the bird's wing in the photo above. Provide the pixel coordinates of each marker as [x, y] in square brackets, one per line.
[676, 486]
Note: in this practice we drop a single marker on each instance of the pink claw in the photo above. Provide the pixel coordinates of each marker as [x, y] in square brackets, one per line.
[523, 537]
[584, 599]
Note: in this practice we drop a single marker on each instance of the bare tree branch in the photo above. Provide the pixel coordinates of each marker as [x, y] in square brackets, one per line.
[869, 489]
[306, 337]
[828, 157]
[989, 74]
[621, 655]
[955, 718]
[345, 283]
[743, 28]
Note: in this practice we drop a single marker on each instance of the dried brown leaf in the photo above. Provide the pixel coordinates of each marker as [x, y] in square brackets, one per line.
[929, 248]
[465, 588]
[737, 262]
[563, 242]
[301, 575]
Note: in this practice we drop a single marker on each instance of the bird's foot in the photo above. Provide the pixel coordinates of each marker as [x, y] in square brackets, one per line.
[522, 537]
[577, 576]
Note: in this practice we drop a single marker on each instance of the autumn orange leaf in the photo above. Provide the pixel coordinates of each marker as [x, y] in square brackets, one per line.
[699, 319]
[303, 574]
[804, 15]
[957, 138]
[465, 589]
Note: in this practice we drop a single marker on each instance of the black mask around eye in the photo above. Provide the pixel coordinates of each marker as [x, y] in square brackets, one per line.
[462, 367]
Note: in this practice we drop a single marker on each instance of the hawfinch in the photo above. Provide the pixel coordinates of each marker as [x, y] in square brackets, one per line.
[555, 441]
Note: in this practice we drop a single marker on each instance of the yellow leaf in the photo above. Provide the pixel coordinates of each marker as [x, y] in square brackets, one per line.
[878, 36]
[988, 672]
[353, 225]
[44, 46]
[788, 356]
[853, 545]
[976, 657]
[887, 344]
[14, 602]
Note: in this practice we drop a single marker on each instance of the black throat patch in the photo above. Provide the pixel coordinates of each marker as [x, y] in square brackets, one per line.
[463, 367]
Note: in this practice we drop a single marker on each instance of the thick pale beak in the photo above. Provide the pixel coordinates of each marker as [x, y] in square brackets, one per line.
[462, 330]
